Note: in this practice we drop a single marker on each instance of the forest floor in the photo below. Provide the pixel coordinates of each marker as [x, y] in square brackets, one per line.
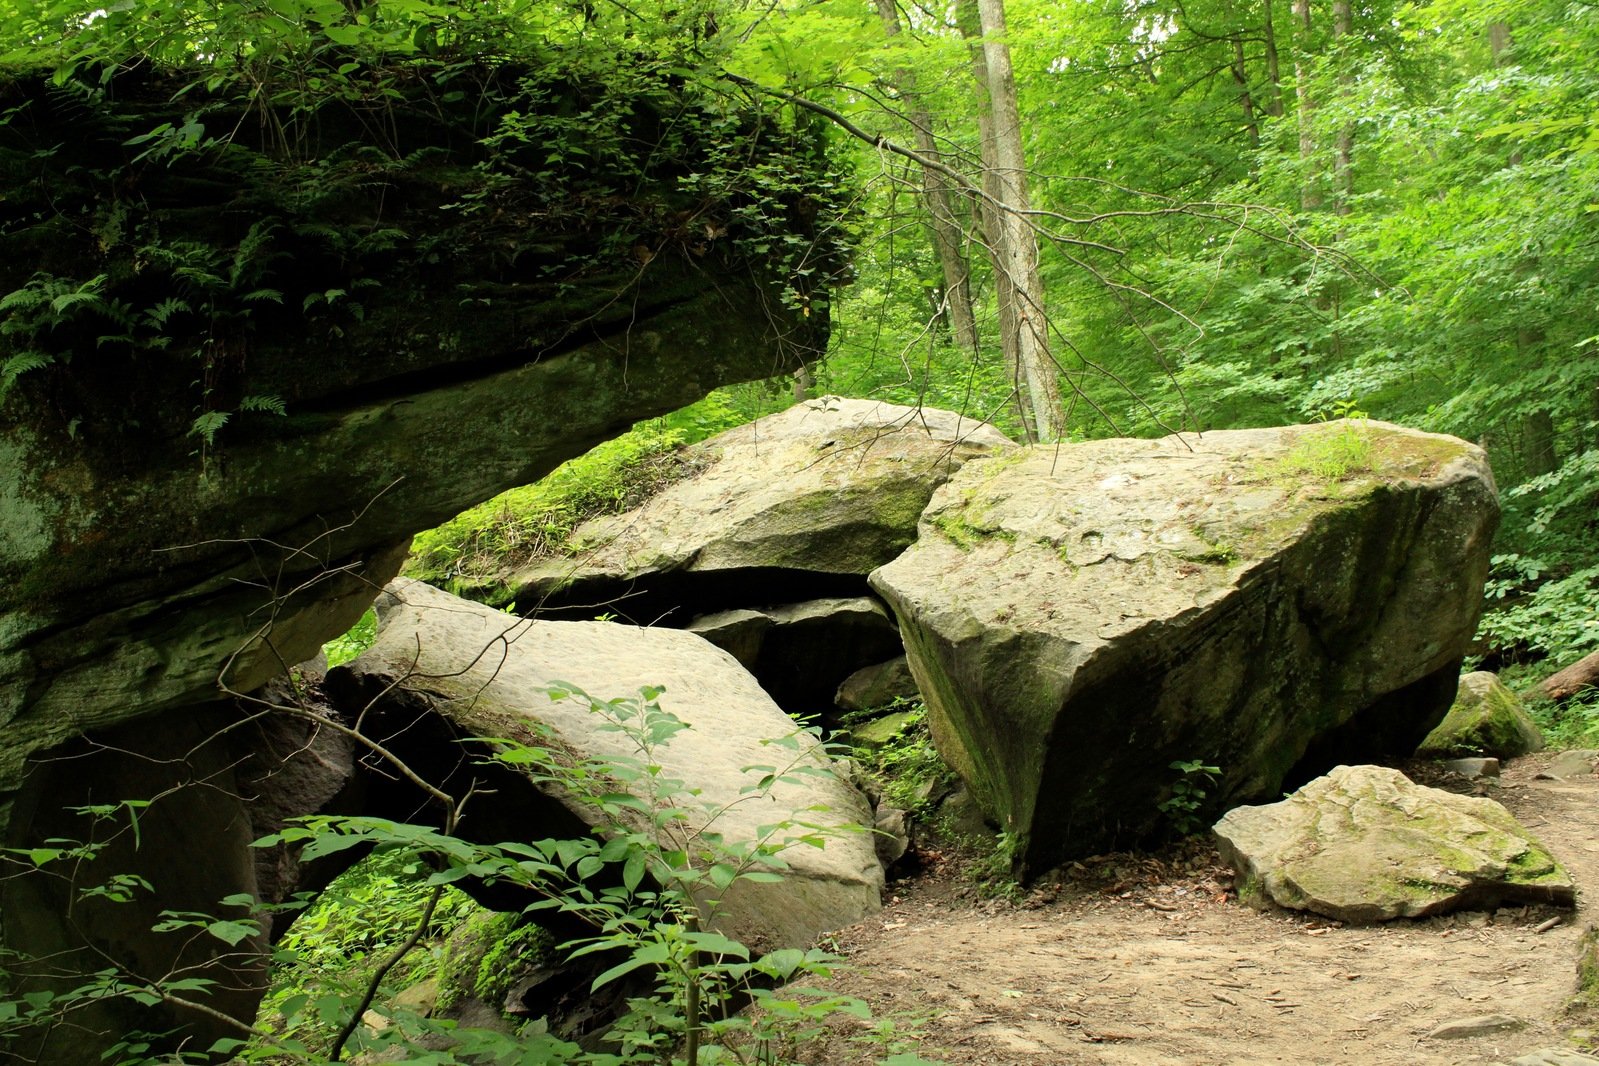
[1142, 959]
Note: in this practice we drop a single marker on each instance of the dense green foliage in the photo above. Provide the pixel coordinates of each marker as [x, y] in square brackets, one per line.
[214, 208]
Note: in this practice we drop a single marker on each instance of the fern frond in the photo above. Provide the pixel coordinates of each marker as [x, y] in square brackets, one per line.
[17, 365]
[270, 404]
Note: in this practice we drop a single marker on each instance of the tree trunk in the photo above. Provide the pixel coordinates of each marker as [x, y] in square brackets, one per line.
[1538, 443]
[1310, 193]
[939, 198]
[1241, 76]
[1343, 146]
[1013, 246]
[1274, 71]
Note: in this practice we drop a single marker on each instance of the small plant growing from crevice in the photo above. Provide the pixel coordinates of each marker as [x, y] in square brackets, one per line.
[1188, 794]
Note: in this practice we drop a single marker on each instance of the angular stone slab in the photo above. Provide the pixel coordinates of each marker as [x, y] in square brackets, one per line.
[1079, 617]
[1366, 844]
[487, 673]
[829, 487]
[1486, 719]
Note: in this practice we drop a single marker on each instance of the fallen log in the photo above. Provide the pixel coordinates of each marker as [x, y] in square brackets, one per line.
[1562, 685]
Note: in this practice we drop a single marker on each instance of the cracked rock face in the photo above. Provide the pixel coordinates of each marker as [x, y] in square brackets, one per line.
[1365, 844]
[1270, 602]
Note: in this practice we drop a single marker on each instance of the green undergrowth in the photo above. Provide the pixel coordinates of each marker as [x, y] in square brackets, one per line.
[907, 767]
[336, 945]
[538, 520]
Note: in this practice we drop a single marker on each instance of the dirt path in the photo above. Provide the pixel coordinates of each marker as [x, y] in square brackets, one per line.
[1142, 960]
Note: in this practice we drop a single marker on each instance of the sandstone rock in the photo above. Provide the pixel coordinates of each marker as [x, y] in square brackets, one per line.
[877, 732]
[1479, 1025]
[893, 835]
[1486, 719]
[1473, 768]
[1578, 762]
[1365, 844]
[1079, 617]
[1554, 1056]
[825, 490]
[488, 674]
[878, 685]
[801, 652]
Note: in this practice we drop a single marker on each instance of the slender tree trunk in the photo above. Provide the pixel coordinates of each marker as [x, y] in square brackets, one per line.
[1310, 193]
[1013, 246]
[1498, 41]
[1241, 76]
[939, 199]
[1344, 141]
[1274, 71]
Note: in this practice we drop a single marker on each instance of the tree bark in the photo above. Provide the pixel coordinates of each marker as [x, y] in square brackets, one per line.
[939, 198]
[1344, 141]
[1013, 246]
[1584, 673]
[1310, 198]
[1274, 72]
[1241, 77]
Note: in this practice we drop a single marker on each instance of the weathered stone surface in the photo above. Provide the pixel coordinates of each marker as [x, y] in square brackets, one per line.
[1554, 1056]
[191, 846]
[1578, 762]
[439, 641]
[1365, 844]
[1079, 617]
[826, 489]
[801, 652]
[1477, 1025]
[877, 732]
[1473, 768]
[1486, 719]
[877, 685]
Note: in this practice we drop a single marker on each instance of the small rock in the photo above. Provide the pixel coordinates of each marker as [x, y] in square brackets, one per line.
[879, 731]
[1481, 1025]
[893, 837]
[877, 686]
[1554, 1056]
[1473, 768]
[1577, 762]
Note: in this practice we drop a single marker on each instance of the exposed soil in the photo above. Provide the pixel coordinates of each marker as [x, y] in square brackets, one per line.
[1152, 959]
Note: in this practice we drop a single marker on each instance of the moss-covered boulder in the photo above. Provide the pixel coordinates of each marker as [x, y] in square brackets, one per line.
[1365, 844]
[800, 504]
[1486, 719]
[1079, 618]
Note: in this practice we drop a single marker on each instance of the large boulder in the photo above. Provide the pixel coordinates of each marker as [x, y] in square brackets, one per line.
[1081, 617]
[1365, 844]
[800, 504]
[489, 675]
[1485, 719]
